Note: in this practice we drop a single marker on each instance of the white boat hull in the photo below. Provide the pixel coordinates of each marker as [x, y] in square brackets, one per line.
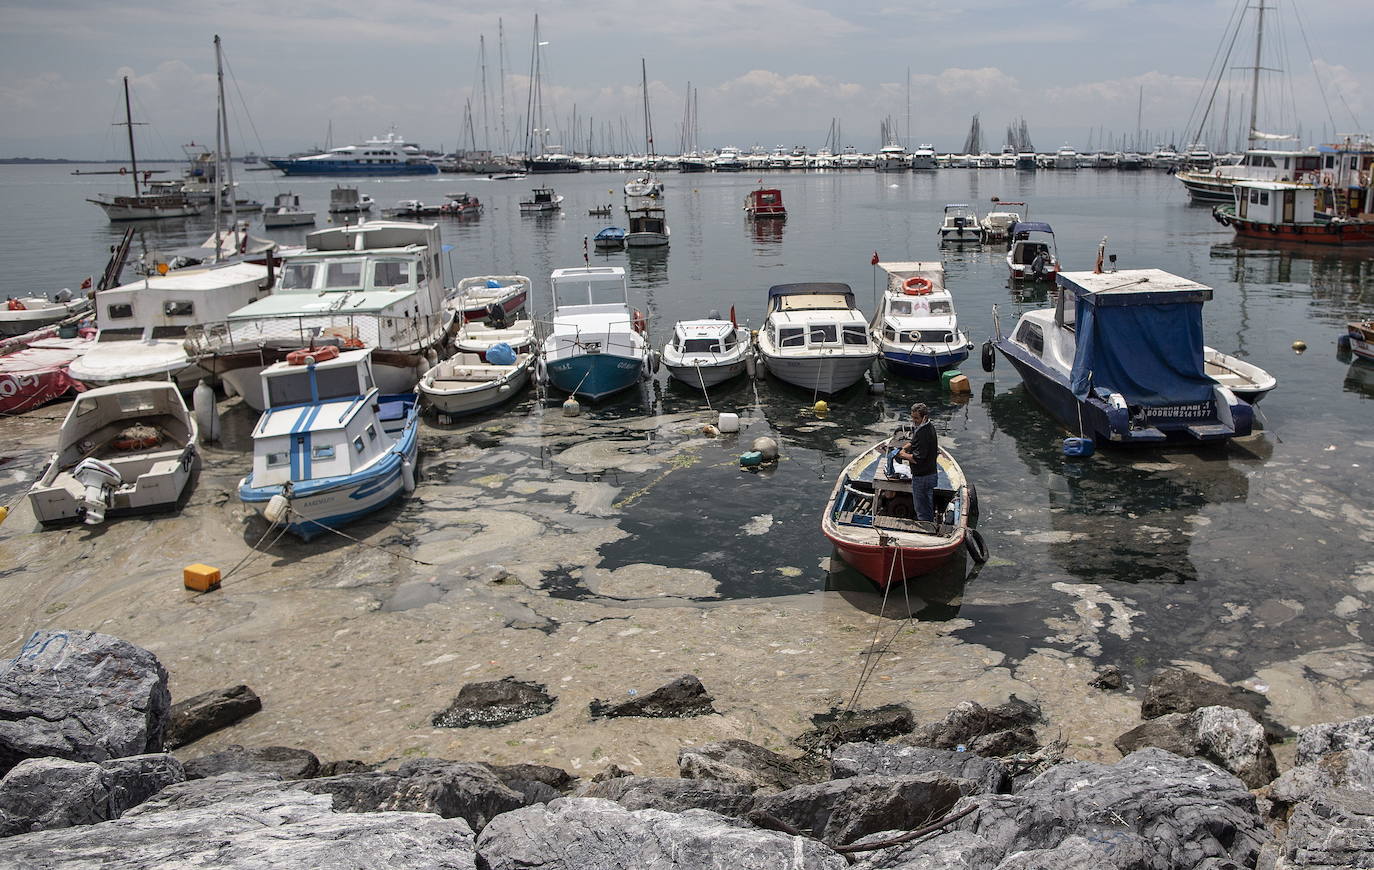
[829, 373]
[706, 375]
[469, 396]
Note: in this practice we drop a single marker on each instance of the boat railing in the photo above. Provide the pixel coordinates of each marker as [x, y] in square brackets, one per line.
[347, 330]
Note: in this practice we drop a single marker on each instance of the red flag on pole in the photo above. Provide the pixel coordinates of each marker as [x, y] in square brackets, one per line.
[86, 285]
[874, 261]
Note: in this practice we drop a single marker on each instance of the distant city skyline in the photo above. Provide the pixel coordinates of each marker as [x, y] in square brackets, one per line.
[766, 73]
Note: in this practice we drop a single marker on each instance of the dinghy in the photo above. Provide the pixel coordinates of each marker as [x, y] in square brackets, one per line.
[466, 383]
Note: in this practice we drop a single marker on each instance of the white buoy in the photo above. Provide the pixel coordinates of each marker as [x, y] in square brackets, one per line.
[751, 366]
[767, 447]
[277, 508]
[728, 423]
[571, 408]
[207, 413]
[407, 475]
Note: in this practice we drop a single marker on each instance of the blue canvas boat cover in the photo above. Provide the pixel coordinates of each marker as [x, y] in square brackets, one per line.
[1031, 227]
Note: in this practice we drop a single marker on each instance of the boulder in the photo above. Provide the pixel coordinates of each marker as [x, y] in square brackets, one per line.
[581, 833]
[1173, 690]
[137, 778]
[45, 793]
[1225, 736]
[673, 795]
[451, 789]
[887, 759]
[208, 712]
[494, 703]
[284, 761]
[265, 827]
[975, 727]
[82, 696]
[1119, 850]
[1349, 769]
[537, 783]
[842, 810]
[1317, 740]
[347, 765]
[1107, 679]
[740, 761]
[837, 727]
[1331, 830]
[955, 850]
[681, 698]
[1186, 809]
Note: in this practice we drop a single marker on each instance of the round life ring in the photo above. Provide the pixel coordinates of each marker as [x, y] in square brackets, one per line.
[641, 324]
[917, 285]
[16, 305]
[123, 170]
[1216, 173]
[136, 437]
[308, 356]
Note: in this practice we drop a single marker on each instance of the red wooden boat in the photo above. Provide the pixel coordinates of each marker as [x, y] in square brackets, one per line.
[764, 203]
[1286, 212]
[869, 518]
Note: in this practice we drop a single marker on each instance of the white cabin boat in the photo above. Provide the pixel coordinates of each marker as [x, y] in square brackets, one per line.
[122, 449]
[924, 158]
[597, 344]
[143, 326]
[648, 228]
[1033, 255]
[703, 353]
[344, 199]
[892, 158]
[996, 225]
[376, 284]
[960, 224]
[814, 337]
[542, 199]
[915, 327]
[488, 297]
[1066, 158]
[330, 447]
[24, 314]
[286, 211]
[728, 160]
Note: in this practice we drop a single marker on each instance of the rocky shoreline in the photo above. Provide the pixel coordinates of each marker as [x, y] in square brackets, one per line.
[86, 720]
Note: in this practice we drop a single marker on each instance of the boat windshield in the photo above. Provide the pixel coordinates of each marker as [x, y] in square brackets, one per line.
[347, 275]
[591, 293]
[390, 273]
[701, 345]
[298, 276]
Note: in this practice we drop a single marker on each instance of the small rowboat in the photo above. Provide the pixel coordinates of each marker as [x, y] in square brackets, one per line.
[870, 519]
[1247, 380]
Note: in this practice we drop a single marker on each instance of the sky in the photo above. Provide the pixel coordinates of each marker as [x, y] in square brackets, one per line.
[765, 72]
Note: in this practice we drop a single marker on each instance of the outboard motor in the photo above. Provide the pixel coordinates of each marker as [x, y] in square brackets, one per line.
[100, 480]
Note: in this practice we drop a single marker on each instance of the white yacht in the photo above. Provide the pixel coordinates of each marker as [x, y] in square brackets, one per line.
[728, 160]
[892, 158]
[1066, 158]
[388, 155]
[915, 325]
[814, 337]
[923, 158]
[376, 284]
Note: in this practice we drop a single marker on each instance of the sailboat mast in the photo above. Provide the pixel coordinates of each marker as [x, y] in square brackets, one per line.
[219, 144]
[501, 64]
[486, 126]
[228, 156]
[129, 123]
[648, 124]
[1255, 75]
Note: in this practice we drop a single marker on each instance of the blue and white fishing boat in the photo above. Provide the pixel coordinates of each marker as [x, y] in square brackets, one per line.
[596, 345]
[915, 325]
[1120, 359]
[330, 447]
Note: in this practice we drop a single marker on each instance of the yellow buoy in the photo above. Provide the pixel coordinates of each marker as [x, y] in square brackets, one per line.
[1299, 346]
[4, 512]
[821, 407]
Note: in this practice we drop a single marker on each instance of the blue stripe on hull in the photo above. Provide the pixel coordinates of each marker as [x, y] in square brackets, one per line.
[924, 367]
[595, 376]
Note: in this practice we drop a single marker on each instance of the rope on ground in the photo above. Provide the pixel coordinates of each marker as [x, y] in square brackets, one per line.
[361, 542]
[254, 551]
[875, 651]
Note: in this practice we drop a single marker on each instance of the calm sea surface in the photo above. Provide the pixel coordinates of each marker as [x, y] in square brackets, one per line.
[1236, 556]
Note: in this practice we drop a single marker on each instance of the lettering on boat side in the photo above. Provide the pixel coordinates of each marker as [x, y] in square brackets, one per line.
[1192, 411]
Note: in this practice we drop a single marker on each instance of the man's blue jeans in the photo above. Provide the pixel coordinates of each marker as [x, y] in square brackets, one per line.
[923, 496]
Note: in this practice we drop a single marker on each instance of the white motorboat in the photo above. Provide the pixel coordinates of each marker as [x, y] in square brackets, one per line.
[892, 158]
[488, 297]
[347, 200]
[996, 225]
[597, 344]
[121, 449]
[815, 337]
[330, 447]
[466, 383]
[475, 336]
[648, 228]
[915, 327]
[286, 211]
[24, 314]
[376, 284]
[143, 325]
[1066, 158]
[923, 158]
[646, 184]
[1247, 380]
[728, 160]
[388, 155]
[1033, 255]
[703, 353]
[543, 199]
[960, 224]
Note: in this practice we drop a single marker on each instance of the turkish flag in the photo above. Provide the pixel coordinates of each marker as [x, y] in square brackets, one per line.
[86, 285]
[874, 261]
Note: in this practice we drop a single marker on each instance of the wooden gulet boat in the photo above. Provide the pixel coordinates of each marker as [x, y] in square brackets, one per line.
[869, 518]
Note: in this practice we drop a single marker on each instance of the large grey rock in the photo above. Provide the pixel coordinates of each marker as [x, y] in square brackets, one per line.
[740, 761]
[1001, 730]
[682, 698]
[451, 789]
[956, 850]
[673, 795]
[285, 761]
[494, 703]
[1317, 740]
[266, 828]
[1186, 809]
[1331, 830]
[837, 727]
[135, 779]
[208, 712]
[888, 759]
[44, 793]
[585, 833]
[1173, 690]
[1225, 736]
[536, 783]
[82, 696]
[842, 810]
[1350, 768]
[1119, 850]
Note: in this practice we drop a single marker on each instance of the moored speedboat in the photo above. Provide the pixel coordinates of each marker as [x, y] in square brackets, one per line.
[815, 338]
[915, 326]
[596, 345]
[703, 353]
[466, 383]
[1033, 255]
[1359, 335]
[960, 224]
[462, 205]
[497, 297]
[870, 518]
[996, 225]
[286, 211]
[610, 238]
[1120, 359]
[24, 314]
[477, 337]
[542, 199]
[764, 203]
[122, 449]
[329, 448]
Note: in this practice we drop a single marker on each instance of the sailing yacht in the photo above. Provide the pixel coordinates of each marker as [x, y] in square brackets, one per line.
[143, 205]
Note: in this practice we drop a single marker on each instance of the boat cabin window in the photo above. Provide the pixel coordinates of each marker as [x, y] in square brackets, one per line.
[346, 275]
[277, 460]
[292, 389]
[358, 444]
[889, 333]
[324, 451]
[701, 345]
[133, 334]
[178, 308]
[1065, 309]
[791, 336]
[390, 273]
[1031, 336]
[420, 272]
[731, 341]
[336, 383]
[929, 336]
[178, 332]
[298, 276]
[823, 333]
[899, 306]
[941, 306]
[1260, 197]
[119, 310]
[134, 403]
[855, 335]
[371, 432]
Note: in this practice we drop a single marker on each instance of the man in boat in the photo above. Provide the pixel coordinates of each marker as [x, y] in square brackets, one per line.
[920, 453]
